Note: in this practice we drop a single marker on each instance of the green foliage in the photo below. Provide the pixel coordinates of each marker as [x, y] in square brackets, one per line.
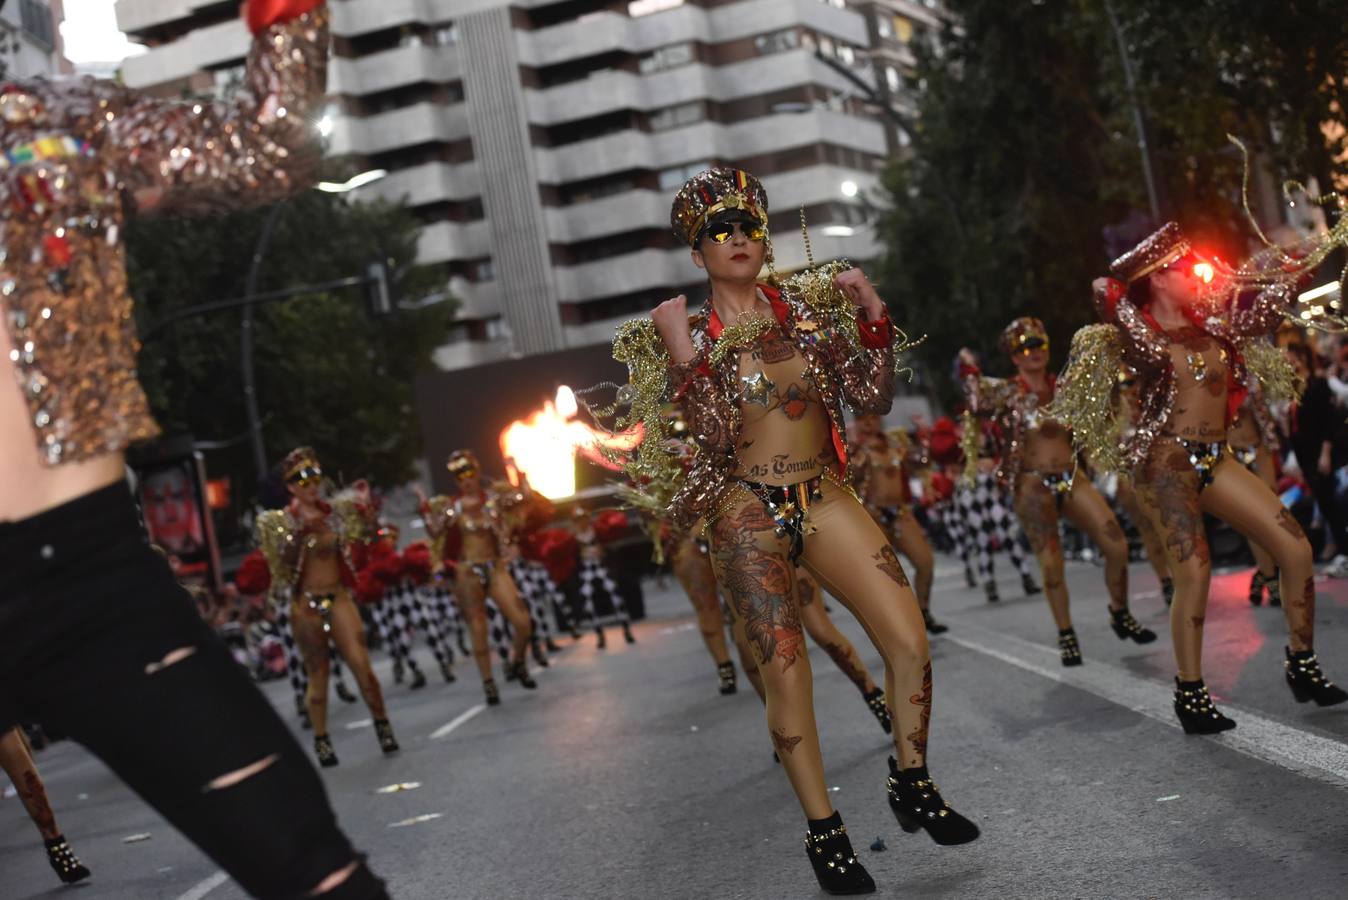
[327, 374]
[1027, 150]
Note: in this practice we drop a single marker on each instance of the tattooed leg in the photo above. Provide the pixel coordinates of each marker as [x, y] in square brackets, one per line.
[1151, 541]
[747, 661]
[752, 568]
[1241, 499]
[1168, 495]
[1038, 514]
[19, 766]
[1087, 508]
[847, 555]
[694, 572]
[912, 543]
[823, 632]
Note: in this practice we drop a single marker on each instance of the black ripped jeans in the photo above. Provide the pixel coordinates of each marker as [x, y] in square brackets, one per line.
[90, 619]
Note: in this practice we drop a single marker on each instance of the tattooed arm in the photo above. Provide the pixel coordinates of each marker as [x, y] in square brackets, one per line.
[713, 420]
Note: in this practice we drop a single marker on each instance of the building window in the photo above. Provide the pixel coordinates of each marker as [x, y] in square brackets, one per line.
[667, 58]
[777, 41]
[496, 329]
[677, 116]
[446, 35]
[673, 179]
[486, 271]
[836, 4]
[893, 79]
[36, 20]
[638, 8]
[903, 29]
[885, 26]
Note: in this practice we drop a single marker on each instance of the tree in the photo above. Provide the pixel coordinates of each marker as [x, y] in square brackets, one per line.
[327, 375]
[1026, 123]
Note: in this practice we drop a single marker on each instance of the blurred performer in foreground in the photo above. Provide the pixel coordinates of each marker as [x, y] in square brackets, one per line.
[18, 764]
[97, 640]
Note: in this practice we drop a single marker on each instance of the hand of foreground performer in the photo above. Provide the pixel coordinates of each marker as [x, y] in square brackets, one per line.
[671, 321]
[855, 285]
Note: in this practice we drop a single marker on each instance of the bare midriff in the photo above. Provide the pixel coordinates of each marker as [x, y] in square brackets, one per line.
[886, 485]
[1199, 361]
[27, 487]
[322, 562]
[1048, 445]
[1244, 432]
[785, 434]
[479, 537]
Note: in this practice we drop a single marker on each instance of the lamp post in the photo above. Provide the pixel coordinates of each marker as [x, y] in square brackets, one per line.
[246, 322]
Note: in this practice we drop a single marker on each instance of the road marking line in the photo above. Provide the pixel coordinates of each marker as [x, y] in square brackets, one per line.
[1258, 737]
[458, 720]
[205, 887]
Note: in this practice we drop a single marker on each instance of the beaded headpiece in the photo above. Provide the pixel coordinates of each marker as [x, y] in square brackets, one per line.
[1162, 247]
[463, 464]
[1021, 330]
[715, 191]
[298, 460]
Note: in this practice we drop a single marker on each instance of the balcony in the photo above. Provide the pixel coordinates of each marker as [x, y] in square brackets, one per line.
[207, 48]
[420, 123]
[394, 68]
[624, 274]
[428, 183]
[445, 241]
[607, 215]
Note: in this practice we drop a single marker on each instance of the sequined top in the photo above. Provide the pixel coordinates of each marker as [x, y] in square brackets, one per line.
[862, 377]
[79, 158]
[286, 540]
[1016, 409]
[900, 454]
[443, 514]
[1145, 347]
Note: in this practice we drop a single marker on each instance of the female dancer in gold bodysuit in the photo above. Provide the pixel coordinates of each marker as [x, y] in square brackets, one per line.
[762, 375]
[482, 569]
[1188, 349]
[308, 546]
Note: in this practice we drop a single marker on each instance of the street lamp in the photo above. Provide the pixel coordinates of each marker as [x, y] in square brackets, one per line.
[849, 188]
[246, 320]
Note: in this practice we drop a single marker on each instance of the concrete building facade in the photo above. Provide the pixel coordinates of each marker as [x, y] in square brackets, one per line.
[31, 35]
[540, 141]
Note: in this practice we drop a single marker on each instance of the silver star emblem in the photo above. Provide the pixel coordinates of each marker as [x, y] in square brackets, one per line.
[758, 388]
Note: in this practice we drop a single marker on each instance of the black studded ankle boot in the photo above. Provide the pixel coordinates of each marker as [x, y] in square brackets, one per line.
[933, 626]
[67, 865]
[1168, 591]
[990, 589]
[1258, 580]
[1274, 588]
[327, 754]
[1125, 626]
[492, 691]
[1308, 682]
[969, 580]
[418, 679]
[1028, 584]
[447, 672]
[726, 673]
[384, 731]
[521, 670]
[835, 864]
[875, 700]
[627, 633]
[536, 651]
[1196, 711]
[917, 803]
[1069, 648]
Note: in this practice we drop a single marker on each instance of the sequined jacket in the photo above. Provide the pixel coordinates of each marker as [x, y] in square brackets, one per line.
[861, 377]
[78, 158]
[1013, 407]
[1145, 348]
[282, 536]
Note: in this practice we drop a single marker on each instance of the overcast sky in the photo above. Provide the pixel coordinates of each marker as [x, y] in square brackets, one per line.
[90, 33]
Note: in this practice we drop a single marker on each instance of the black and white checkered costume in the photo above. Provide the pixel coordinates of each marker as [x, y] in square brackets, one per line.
[988, 524]
[411, 614]
[499, 632]
[594, 577]
[299, 680]
[385, 617]
[538, 591]
[440, 603]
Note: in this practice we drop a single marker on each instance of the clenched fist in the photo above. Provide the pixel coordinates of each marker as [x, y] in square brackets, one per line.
[671, 321]
[854, 284]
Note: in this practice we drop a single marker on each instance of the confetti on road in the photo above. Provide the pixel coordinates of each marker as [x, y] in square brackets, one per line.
[136, 838]
[360, 723]
[415, 820]
[1167, 797]
[400, 786]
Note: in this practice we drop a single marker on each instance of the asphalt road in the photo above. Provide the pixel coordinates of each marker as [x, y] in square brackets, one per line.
[627, 776]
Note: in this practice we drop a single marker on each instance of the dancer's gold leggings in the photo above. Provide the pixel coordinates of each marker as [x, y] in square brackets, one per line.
[1085, 507]
[1168, 489]
[472, 598]
[1151, 541]
[694, 572]
[348, 634]
[851, 558]
[19, 766]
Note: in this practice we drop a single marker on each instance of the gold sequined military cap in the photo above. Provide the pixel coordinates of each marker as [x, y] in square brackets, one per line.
[715, 191]
[1162, 247]
[297, 460]
[1020, 330]
[463, 464]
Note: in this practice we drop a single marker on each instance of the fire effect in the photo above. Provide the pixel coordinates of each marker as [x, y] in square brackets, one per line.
[544, 446]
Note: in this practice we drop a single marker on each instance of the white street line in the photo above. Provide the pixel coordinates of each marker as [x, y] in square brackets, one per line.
[210, 884]
[458, 720]
[1260, 738]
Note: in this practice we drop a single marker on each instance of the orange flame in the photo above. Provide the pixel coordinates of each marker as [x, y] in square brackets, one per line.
[544, 445]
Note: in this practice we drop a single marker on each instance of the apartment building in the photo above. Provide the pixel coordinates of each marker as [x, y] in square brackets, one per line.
[31, 33]
[540, 141]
